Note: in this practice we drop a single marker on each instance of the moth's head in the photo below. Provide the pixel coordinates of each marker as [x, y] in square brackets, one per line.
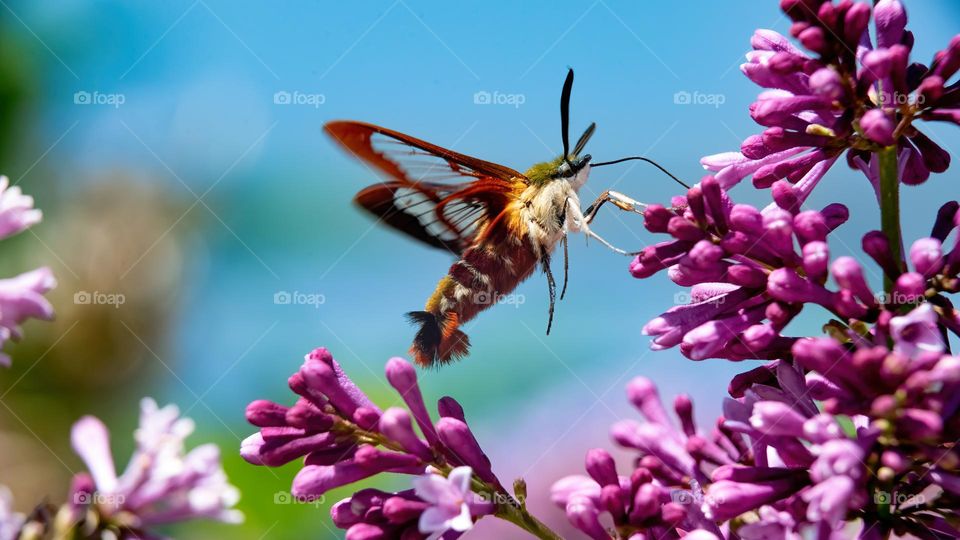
[574, 166]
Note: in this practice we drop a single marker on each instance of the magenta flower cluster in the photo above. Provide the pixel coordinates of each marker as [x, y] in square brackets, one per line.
[726, 252]
[343, 437]
[849, 94]
[852, 433]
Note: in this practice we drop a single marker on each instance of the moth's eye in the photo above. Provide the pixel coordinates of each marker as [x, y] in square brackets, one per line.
[564, 169]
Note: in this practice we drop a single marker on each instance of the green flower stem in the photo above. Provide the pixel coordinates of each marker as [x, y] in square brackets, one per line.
[523, 519]
[890, 205]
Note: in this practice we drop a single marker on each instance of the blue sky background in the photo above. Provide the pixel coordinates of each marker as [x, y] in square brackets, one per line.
[198, 80]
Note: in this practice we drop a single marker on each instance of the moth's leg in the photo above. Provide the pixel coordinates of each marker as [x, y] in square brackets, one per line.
[581, 224]
[566, 267]
[552, 284]
[618, 199]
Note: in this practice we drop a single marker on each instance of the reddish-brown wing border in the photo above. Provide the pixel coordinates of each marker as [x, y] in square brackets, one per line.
[454, 211]
[355, 137]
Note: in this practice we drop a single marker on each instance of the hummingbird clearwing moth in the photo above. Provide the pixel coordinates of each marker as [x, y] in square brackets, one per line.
[500, 223]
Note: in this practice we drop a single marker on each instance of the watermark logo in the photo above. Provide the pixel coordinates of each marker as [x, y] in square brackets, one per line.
[97, 498]
[500, 499]
[696, 97]
[898, 499]
[900, 298]
[285, 497]
[489, 298]
[297, 298]
[681, 496]
[497, 97]
[897, 99]
[83, 97]
[683, 298]
[98, 298]
[685, 497]
[297, 97]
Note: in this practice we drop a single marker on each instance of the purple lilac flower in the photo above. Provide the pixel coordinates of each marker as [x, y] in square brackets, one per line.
[16, 209]
[743, 267]
[780, 466]
[162, 482]
[449, 502]
[21, 297]
[437, 507]
[748, 279]
[917, 332]
[663, 495]
[848, 94]
[901, 414]
[10, 521]
[344, 438]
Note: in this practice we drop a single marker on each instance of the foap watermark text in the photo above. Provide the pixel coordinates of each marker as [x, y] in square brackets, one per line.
[697, 97]
[99, 298]
[497, 97]
[283, 97]
[83, 97]
[297, 298]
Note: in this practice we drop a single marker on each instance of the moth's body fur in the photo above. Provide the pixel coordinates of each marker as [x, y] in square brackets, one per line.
[542, 211]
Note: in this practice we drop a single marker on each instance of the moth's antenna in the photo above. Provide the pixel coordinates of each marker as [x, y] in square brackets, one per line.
[641, 158]
[565, 113]
[577, 148]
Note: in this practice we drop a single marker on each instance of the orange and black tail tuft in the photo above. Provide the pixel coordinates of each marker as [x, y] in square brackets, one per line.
[439, 338]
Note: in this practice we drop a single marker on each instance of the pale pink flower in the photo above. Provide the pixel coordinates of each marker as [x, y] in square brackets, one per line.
[448, 499]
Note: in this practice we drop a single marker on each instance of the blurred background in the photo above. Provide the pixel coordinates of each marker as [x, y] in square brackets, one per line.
[176, 151]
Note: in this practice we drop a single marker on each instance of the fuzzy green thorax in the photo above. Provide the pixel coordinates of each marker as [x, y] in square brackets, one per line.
[542, 173]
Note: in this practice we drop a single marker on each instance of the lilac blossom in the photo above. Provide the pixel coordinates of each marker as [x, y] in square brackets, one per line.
[21, 297]
[10, 521]
[437, 507]
[663, 495]
[163, 483]
[903, 415]
[748, 278]
[848, 94]
[743, 267]
[16, 210]
[778, 464]
[917, 333]
[343, 437]
[448, 500]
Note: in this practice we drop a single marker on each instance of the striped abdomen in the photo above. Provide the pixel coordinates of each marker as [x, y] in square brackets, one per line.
[480, 279]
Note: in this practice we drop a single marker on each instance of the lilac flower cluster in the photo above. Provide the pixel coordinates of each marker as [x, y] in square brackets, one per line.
[21, 297]
[849, 94]
[748, 279]
[880, 453]
[853, 433]
[344, 438]
[744, 270]
[162, 484]
[663, 495]
[881, 446]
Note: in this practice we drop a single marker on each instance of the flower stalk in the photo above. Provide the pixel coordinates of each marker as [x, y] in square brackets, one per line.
[890, 206]
[519, 516]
